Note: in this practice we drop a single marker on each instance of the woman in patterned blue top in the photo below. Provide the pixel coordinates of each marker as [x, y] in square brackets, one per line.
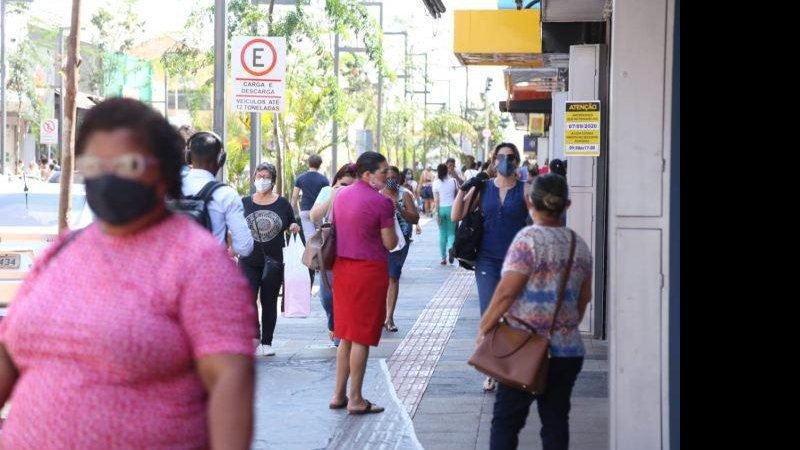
[527, 296]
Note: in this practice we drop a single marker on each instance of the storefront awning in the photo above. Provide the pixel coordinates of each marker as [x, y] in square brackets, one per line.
[498, 37]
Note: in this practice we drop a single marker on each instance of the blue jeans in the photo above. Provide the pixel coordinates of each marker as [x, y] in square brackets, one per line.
[487, 276]
[326, 298]
[511, 407]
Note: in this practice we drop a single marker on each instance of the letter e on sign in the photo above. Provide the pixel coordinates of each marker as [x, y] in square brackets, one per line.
[258, 57]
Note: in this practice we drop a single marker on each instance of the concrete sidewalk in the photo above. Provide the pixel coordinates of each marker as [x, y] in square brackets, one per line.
[437, 317]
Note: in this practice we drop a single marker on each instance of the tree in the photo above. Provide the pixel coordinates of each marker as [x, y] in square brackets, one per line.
[398, 137]
[22, 65]
[497, 122]
[68, 155]
[442, 134]
[313, 98]
[113, 39]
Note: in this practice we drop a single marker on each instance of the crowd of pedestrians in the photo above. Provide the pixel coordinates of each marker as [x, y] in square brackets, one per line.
[151, 342]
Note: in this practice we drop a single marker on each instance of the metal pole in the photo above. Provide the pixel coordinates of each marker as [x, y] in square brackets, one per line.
[220, 64]
[380, 90]
[3, 85]
[60, 75]
[425, 112]
[486, 140]
[335, 132]
[166, 95]
[255, 132]
[466, 99]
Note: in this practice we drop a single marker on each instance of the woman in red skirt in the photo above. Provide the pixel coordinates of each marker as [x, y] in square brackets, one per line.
[364, 221]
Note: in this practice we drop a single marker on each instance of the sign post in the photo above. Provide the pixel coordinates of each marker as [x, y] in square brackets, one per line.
[259, 74]
[259, 82]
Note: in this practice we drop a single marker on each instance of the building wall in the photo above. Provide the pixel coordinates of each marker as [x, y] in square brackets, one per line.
[639, 232]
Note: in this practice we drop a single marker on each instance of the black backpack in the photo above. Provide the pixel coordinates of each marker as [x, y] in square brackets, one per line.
[196, 206]
[468, 235]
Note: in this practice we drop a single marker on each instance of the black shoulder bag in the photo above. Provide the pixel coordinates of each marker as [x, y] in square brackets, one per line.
[469, 234]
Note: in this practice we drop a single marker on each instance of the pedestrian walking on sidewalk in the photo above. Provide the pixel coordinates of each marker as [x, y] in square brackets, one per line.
[408, 216]
[147, 342]
[309, 184]
[320, 214]
[527, 296]
[426, 190]
[502, 204]
[207, 157]
[364, 221]
[269, 216]
[445, 189]
[412, 187]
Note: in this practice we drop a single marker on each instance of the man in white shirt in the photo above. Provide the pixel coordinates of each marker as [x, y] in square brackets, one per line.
[225, 208]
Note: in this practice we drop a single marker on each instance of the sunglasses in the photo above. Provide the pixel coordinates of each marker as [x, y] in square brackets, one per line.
[130, 165]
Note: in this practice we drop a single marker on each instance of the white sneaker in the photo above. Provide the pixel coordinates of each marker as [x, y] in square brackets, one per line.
[268, 351]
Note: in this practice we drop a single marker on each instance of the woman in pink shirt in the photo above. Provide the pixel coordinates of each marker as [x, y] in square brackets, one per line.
[137, 331]
[364, 222]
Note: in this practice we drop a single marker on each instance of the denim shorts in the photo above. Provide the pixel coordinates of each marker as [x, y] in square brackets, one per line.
[397, 260]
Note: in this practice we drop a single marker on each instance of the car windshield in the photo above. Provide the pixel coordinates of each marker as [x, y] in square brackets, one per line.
[34, 209]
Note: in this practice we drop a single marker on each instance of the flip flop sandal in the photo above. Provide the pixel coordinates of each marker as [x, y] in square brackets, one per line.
[340, 405]
[392, 328]
[368, 410]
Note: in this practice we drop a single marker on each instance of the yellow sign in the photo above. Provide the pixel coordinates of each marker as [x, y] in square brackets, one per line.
[497, 37]
[536, 124]
[582, 129]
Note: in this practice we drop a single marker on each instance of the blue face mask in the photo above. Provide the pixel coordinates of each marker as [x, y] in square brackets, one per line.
[505, 167]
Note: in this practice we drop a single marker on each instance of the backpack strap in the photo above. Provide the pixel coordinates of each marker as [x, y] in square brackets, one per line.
[205, 195]
[208, 190]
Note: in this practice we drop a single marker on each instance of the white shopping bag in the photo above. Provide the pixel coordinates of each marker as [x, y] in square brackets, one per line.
[296, 281]
[401, 240]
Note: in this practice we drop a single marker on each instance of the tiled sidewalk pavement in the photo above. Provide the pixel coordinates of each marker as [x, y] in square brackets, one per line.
[455, 412]
[414, 361]
[427, 361]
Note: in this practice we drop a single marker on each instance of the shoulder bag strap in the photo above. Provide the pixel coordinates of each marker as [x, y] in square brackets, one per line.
[564, 280]
[329, 213]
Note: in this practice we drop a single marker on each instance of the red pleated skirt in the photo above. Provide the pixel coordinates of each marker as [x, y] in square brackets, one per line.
[359, 299]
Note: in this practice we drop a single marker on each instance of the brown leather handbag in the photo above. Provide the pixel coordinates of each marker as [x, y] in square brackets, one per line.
[320, 252]
[519, 358]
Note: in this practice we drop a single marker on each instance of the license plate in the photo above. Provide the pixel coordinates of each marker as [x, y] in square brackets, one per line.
[9, 261]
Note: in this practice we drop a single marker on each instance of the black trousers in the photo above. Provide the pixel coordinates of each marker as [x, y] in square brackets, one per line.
[511, 407]
[269, 289]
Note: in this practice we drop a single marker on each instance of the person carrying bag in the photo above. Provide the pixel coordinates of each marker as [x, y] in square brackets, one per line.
[320, 251]
[517, 357]
[536, 352]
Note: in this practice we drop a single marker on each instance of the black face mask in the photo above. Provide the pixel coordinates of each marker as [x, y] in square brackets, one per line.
[119, 201]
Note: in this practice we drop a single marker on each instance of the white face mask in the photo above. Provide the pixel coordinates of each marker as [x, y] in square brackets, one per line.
[263, 184]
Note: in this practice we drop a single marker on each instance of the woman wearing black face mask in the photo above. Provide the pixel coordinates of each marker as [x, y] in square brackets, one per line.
[149, 308]
[502, 202]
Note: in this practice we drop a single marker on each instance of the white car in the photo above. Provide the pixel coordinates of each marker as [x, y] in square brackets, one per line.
[28, 223]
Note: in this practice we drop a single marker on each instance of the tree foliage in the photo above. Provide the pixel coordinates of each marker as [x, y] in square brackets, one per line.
[313, 98]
